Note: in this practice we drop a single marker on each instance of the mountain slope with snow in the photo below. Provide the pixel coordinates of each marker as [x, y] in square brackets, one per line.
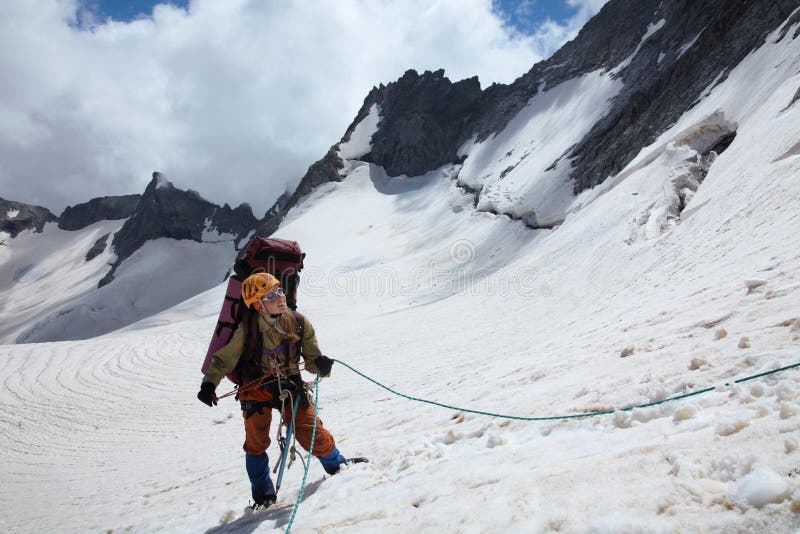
[51, 287]
[678, 274]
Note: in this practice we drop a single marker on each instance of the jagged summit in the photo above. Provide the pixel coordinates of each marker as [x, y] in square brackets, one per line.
[166, 211]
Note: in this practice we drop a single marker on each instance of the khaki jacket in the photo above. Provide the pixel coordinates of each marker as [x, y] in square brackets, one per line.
[225, 359]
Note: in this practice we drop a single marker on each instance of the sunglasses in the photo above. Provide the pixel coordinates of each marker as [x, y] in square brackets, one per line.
[270, 297]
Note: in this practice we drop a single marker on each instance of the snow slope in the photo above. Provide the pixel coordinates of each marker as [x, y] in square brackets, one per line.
[49, 290]
[519, 170]
[624, 303]
[42, 271]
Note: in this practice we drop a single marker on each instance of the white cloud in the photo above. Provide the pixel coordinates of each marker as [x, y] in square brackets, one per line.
[233, 99]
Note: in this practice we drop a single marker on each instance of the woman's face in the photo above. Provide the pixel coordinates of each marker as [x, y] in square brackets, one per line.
[278, 305]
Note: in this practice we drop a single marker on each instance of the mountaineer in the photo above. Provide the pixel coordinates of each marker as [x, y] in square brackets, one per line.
[266, 349]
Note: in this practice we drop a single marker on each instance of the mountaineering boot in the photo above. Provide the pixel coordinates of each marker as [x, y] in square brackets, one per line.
[261, 506]
[332, 461]
[260, 484]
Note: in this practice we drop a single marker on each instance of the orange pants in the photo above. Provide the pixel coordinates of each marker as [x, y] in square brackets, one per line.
[256, 427]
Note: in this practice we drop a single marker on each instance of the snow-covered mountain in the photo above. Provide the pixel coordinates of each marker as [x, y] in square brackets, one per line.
[500, 273]
[109, 262]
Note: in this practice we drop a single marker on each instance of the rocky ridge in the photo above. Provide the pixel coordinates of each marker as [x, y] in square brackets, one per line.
[98, 209]
[16, 217]
[166, 211]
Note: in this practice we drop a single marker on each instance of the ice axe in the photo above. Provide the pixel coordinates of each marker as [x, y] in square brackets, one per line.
[285, 451]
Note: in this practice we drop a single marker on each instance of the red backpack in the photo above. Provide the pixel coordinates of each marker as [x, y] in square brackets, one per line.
[281, 258]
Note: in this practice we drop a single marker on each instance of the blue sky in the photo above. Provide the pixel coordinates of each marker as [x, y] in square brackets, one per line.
[523, 15]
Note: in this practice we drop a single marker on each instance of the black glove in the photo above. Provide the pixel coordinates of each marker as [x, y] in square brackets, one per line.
[206, 393]
[324, 365]
[300, 389]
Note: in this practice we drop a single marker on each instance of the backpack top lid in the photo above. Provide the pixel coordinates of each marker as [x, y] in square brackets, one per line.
[276, 256]
[281, 258]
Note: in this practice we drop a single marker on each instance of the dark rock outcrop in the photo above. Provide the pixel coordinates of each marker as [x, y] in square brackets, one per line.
[166, 211]
[699, 42]
[98, 248]
[98, 209]
[16, 217]
[422, 121]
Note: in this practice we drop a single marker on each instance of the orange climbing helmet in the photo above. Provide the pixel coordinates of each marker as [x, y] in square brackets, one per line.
[256, 286]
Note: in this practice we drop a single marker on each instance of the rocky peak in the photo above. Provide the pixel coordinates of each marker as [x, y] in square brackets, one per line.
[422, 121]
[166, 211]
[16, 217]
[98, 209]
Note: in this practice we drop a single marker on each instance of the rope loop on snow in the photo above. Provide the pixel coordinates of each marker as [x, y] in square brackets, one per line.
[571, 416]
[307, 464]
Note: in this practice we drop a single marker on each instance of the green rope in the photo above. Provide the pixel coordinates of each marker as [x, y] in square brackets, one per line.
[310, 454]
[479, 412]
[572, 416]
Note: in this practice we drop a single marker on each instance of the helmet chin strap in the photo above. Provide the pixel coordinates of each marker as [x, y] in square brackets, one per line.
[265, 313]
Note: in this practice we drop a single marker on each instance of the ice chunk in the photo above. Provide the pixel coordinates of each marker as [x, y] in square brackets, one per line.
[789, 409]
[697, 363]
[727, 428]
[685, 412]
[753, 284]
[761, 487]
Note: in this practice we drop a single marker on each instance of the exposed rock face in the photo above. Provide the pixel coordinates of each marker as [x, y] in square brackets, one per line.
[422, 121]
[98, 209]
[16, 217]
[98, 248]
[165, 211]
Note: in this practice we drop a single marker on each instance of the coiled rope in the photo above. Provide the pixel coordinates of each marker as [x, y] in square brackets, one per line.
[571, 416]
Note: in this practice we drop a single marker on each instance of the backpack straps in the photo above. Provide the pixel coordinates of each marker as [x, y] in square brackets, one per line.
[300, 323]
